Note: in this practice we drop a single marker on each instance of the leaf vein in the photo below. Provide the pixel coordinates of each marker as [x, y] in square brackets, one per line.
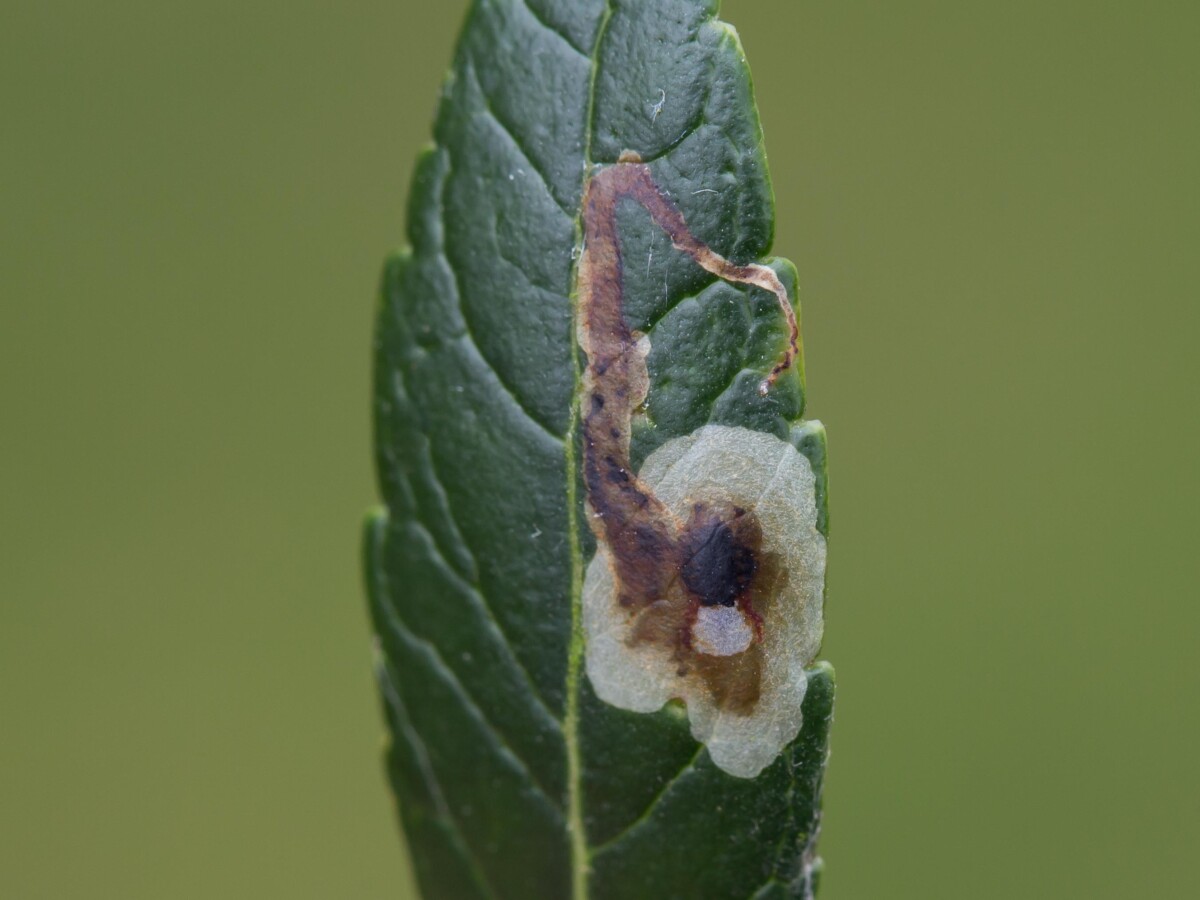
[490, 112]
[477, 598]
[653, 805]
[381, 591]
[762, 889]
[467, 336]
[540, 19]
[580, 850]
[467, 339]
[404, 400]
[387, 687]
[709, 284]
[439, 665]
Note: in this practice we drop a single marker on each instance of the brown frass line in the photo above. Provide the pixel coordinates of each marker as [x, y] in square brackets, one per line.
[662, 566]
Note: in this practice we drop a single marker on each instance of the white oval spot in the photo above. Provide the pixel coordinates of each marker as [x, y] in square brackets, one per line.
[721, 631]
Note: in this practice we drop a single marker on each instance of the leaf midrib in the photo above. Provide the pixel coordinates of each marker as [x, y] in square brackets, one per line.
[580, 851]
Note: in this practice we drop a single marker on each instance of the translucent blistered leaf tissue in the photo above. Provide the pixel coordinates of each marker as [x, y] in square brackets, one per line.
[597, 573]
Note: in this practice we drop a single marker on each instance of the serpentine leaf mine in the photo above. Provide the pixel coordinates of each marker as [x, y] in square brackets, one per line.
[707, 584]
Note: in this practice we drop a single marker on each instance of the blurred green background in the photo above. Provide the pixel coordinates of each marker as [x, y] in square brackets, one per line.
[994, 211]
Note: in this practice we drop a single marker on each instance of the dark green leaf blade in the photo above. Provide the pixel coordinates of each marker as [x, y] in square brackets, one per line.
[513, 779]
[706, 834]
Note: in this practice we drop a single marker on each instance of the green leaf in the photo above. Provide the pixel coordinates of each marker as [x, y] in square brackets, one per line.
[513, 779]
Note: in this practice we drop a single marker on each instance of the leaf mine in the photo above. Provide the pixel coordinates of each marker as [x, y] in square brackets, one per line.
[743, 692]
[707, 584]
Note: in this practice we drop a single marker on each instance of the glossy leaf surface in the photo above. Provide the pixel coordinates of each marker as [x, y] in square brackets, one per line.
[513, 780]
